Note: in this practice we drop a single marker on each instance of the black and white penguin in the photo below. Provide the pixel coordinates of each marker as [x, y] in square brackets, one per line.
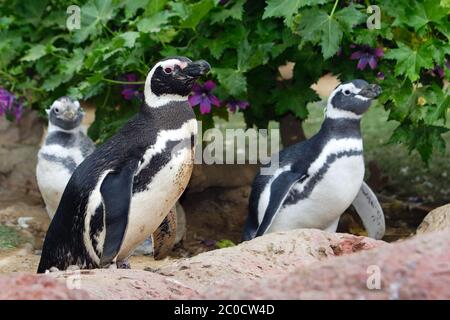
[318, 179]
[65, 146]
[124, 190]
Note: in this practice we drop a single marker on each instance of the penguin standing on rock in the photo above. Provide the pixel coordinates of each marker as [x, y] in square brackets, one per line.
[65, 146]
[124, 190]
[318, 179]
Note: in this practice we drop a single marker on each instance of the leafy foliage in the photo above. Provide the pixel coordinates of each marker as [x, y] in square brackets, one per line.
[245, 42]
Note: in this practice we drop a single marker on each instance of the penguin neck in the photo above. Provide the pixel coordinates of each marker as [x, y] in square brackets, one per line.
[155, 101]
[54, 128]
[342, 127]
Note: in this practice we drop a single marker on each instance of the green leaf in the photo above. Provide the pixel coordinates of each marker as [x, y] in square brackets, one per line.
[409, 62]
[36, 52]
[93, 15]
[317, 26]
[423, 138]
[130, 38]
[154, 23]
[132, 6]
[424, 12]
[287, 8]
[235, 12]
[349, 17]
[232, 80]
[196, 12]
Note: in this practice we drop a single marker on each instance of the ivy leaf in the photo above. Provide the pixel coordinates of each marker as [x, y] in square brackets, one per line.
[131, 7]
[424, 12]
[154, 23]
[423, 138]
[93, 15]
[34, 53]
[349, 17]
[232, 80]
[196, 12]
[235, 12]
[409, 62]
[317, 26]
[130, 38]
[287, 8]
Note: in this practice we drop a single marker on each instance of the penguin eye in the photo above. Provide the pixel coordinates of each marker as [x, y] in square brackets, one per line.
[347, 92]
[168, 70]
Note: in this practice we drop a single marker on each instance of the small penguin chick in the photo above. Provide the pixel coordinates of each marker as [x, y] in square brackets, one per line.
[65, 147]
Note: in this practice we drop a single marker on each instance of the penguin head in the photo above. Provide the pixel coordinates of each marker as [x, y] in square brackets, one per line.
[65, 113]
[351, 99]
[172, 79]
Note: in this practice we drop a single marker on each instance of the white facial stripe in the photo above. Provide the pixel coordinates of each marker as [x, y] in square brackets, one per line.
[154, 101]
[334, 113]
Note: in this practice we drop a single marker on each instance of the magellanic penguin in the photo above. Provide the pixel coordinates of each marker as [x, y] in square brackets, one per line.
[123, 191]
[65, 146]
[318, 179]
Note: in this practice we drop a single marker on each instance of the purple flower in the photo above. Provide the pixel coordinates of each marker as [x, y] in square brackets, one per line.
[438, 71]
[234, 105]
[380, 75]
[223, 2]
[366, 56]
[130, 91]
[203, 96]
[10, 106]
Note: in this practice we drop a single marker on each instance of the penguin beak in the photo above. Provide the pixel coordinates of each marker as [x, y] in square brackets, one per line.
[197, 68]
[70, 115]
[370, 91]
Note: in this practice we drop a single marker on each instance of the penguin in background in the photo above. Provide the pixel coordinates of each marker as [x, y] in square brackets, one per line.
[125, 189]
[65, 146]
[318, 179]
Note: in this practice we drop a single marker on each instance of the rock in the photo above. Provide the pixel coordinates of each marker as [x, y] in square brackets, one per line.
[417, 268]
[438, 219]
[268, 255]
[19, 144]
[271, 254]
[125, 284]
[37, 287]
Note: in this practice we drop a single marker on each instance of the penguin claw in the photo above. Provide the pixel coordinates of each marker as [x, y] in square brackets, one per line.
[123, 264]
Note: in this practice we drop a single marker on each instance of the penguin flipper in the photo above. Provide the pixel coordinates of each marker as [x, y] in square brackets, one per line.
[163, 239]
[116, 191]
[279, 190]
[369, 210]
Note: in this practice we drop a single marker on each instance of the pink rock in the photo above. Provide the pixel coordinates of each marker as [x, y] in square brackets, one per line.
[417, 268]
[126, 284]
[271, 254]
[37, 287]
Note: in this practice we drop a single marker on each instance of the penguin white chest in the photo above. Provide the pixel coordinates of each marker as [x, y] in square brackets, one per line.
[149, 207]
[332, 189]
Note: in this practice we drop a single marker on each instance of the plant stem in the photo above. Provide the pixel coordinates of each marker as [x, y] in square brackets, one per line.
[334, 8]
[123, 82]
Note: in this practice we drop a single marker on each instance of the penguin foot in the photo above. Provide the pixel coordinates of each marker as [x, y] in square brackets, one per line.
[125, 264]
